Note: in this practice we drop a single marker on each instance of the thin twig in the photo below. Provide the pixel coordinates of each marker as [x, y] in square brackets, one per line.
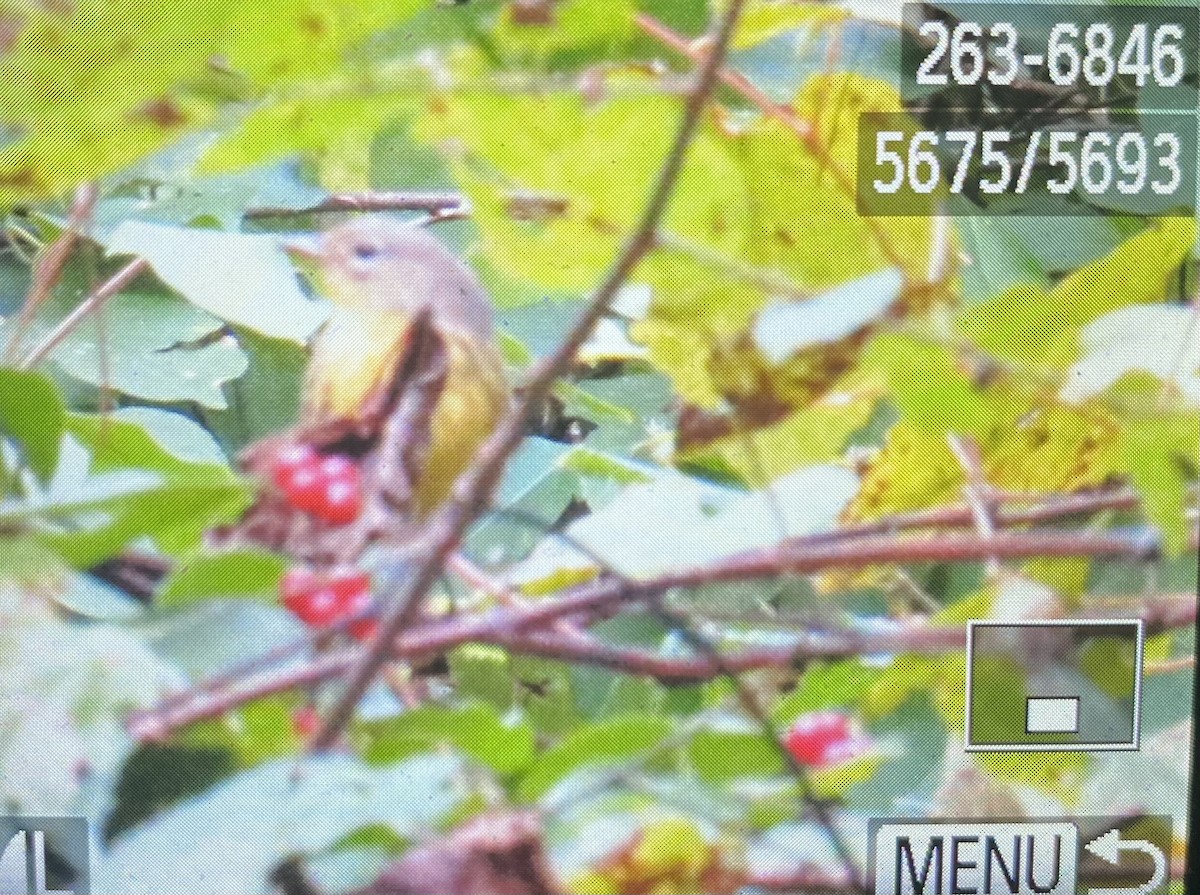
[473, 492]
[504, 628]
[976, 490]
[437, 205]
[49, 267]
[509, 627]
[89, 305]
[959, 516]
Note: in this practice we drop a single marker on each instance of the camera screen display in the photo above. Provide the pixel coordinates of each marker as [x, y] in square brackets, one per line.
[598, 447]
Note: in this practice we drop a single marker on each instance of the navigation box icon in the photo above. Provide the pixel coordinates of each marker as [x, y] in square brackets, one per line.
[1061, 685]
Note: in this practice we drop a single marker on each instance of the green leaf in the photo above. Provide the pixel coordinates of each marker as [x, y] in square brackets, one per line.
[154, 347]
[208, 637]
[586, 461]
[929, 387]
[91, 88]
[482, 672]
[343, 115]
[1160, 455]
[1030, 325]
[574, 26]
[545, 691]
[580, 402]
[828, 685]
[529, 167]
[243, 279]
[522, 523]
[174, 514]
[245, 574]
[130, 486]
[504, 745]
[805, 216]
[670, 523]
[1155, 339]
[32, 413]
[284, 808]
[814, 434]
[720, 755]
[118, 443]
[999, 258]
[157, 776]
[764, 20]
[176, 433]
[603, 742]
[267, 398]
[1008, 251]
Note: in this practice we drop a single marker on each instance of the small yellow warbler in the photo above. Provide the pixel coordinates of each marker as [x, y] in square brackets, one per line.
[378, 273]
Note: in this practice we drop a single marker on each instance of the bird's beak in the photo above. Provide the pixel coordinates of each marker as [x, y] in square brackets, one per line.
[305, 247]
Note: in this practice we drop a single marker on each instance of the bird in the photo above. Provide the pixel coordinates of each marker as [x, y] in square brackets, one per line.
[380, 274]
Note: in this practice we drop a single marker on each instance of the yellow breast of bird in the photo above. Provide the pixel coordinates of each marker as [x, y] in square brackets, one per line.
[355, 353]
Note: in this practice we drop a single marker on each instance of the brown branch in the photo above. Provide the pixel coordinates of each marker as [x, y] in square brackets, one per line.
[89, 305]
[504, 629]
[517, 629]
[439, 206]
[49, 267]
[139, 573]
[960, 516]
[401, 455]
[474, 491]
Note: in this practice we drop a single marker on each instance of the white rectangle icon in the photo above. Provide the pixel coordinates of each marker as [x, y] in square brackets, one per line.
[1050, 727]
[1052, 714]
[967, 858]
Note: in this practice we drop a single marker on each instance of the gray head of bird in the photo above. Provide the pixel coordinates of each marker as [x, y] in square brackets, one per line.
[380, 263]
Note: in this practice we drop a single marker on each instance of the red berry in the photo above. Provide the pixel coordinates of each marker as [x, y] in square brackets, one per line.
[329, 488]
[296, 585]
[813, 735]
[303, 487]
[320, 601]
[342, 500]
[305, 721]
[321, 608]
[356, 596]
[336, 467]
[288, 461]
[353, 590]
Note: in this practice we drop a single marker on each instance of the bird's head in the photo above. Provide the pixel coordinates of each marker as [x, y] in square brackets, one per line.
[380, 263]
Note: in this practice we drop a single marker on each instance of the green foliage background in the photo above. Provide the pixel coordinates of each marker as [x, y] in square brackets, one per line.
[190, 115]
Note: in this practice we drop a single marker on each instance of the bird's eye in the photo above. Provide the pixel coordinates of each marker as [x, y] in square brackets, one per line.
[365, 251]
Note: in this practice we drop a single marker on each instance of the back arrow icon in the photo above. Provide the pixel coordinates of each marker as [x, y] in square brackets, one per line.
[1109, 847]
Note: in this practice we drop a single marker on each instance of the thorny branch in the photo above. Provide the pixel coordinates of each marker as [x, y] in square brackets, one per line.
[524, 628]
[148, 570]
[473, 492]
